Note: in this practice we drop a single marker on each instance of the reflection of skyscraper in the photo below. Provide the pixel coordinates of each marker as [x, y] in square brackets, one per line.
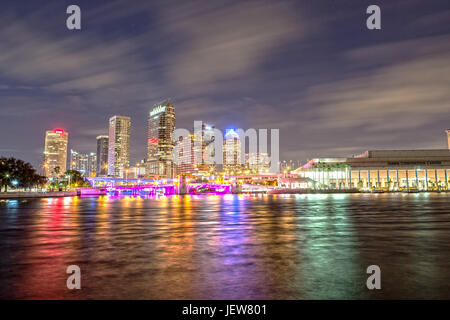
[232, 152]
[102, 155]
[118, 145]
[55, 152]
[448, 137]
[161, 124]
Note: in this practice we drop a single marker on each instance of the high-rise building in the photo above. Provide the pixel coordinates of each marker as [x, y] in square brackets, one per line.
[448, 137]
[189, 159]
[92, 164]
[55, 153]
[80, 162]
[102, 156]
[257, 162]
[118, 145]
[161, 125]
[232, 162]
[209, 151]
[85, 163]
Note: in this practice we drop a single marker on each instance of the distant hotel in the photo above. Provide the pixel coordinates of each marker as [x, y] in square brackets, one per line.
[102, 156]
[55, 153]
[161, 125]
[119, 145]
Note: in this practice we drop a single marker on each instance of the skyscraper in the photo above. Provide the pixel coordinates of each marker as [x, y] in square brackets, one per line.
[188, 151]
[118, 145]
[102, 155]
[55, 153]
[85, 163]
[209, 151]
[448, 137]
[92, 164]
[80, 162]
[161, 124]
[232, 162]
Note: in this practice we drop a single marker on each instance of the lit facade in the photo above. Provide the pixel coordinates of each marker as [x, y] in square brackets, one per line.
[410, 170]
[55, 153]
[118, 145]
[80, 162]
[161, 125]
[85, 163]
[92, 164]
[102, 156]
[232, 161]
[189, 154]
[208, 146]
[257, 162]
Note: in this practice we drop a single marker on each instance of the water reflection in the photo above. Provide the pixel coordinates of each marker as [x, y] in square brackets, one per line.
[226, 247]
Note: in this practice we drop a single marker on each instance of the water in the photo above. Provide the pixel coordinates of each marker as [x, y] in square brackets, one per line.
[227, 247]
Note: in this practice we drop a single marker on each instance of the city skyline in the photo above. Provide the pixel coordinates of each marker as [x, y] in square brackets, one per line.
[303, 75]
[225, 154]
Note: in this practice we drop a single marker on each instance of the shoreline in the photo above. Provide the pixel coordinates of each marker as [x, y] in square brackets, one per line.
[60, 194]
[33, 195]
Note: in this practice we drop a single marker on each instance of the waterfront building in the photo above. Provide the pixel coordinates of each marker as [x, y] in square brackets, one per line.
[232, 161]
[92, 164]
[257, 162]
[80, 162]
[135, 172]
[161, 125]
[208, 146]
[409, 170]
[118, 145]
[286, 166]
[85, 163]
[102, 156]
[55, 153]
[189, 155]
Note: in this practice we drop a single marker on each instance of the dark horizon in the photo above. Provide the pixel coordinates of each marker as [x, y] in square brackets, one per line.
[311, 69]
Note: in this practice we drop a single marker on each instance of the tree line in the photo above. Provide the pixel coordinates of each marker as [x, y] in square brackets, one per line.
[19, 174]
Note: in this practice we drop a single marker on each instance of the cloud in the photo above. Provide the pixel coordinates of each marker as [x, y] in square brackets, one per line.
[227, 42]
[399, 96]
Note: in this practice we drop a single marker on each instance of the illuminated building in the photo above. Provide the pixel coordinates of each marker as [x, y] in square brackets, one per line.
[257, 162]
[448, 137]
[79, 162]
[232, 162]
[102, 156]
[118, 145]
[189, 155]
[407, 170]
[55, 152]
[135, 172]
[85, 163]
[161, 125]
[208, 150]
[92, 164]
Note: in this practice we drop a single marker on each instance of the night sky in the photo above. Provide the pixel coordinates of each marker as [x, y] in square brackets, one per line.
[309, 68]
